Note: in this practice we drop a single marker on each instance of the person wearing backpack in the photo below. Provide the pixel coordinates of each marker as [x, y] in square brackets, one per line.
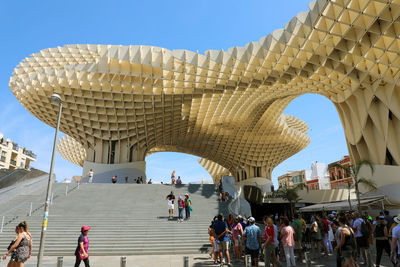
[363, 231]
[381, 235]
[316, 238]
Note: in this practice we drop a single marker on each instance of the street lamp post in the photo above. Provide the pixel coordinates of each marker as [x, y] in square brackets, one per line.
[56, 99]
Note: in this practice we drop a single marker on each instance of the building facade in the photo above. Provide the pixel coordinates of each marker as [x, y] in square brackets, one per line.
[292, 178]
[338, 176]
[14, 157]
[319, 177]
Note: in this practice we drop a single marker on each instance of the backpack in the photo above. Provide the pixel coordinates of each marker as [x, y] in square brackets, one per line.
[365, 229]
[326, 226]
[314, 227]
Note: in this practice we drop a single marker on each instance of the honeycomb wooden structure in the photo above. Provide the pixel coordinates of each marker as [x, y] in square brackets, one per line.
[120, 102]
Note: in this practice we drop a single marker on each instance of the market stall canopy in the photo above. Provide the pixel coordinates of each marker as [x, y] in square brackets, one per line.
[344, 205]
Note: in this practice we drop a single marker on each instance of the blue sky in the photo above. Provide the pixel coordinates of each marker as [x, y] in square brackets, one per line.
[29, 26]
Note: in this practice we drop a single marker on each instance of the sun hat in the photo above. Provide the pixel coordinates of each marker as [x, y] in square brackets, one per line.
[186, 194]
[251, 219]
[85, 228]
[397, 219]
[180, 197]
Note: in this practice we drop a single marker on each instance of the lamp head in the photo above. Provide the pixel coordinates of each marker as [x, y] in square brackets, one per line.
[56, 98]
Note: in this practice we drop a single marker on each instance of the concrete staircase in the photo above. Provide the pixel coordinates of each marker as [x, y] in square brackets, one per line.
[126, 219]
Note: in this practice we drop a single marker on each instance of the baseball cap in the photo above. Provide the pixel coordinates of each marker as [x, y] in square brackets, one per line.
[251, 219]
[85, 228]
[397, 219]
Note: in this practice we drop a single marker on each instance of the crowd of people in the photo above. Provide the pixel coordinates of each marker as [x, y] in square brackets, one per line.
[348, 236]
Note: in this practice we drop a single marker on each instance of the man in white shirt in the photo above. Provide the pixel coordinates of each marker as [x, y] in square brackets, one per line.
[395, 255]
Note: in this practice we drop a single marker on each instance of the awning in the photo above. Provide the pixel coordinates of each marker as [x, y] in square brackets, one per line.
[344, 205]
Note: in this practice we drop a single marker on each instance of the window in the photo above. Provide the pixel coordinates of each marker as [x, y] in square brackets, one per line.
[257, 171]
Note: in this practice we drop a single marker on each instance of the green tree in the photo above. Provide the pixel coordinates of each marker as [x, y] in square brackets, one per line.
[291, 194]
[354, 171]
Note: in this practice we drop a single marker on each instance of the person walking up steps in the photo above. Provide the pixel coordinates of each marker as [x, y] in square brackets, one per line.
[188, 206]
[181, 206]
[82, 250]
[171, 199]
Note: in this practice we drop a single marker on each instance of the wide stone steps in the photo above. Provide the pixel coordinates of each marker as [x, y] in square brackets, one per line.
[126, 219]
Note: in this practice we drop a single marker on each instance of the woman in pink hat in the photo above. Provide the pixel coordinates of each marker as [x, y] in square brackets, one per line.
[81, 252]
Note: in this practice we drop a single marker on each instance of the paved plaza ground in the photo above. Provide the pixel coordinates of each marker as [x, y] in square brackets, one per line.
[167, 261]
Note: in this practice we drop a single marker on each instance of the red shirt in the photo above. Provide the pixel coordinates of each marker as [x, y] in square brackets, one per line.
[269, 232]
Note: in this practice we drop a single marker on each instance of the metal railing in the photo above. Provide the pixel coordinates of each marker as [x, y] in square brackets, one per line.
[31, 210]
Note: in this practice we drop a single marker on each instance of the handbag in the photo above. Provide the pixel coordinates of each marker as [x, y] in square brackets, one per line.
[11, 243]
[82, 256]
[190, 208]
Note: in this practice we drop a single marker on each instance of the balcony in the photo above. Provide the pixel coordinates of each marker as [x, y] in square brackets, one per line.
[13, 162]
[3, 158]
[29, 153]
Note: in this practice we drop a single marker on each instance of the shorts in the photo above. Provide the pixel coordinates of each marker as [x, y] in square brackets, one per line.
[362, 242]
[254, 253]
[297, 244]
[215, 243]
[170, 206]
[223, 245]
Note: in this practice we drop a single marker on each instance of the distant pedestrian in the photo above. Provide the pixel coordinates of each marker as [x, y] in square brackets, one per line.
[91, 174]
[21, 247]
[82, 250]
[114, 179]
[287, 239]
[126, 179]
[170, 201]
[179, 181]
[188, 206]
[252, 238]
[150, 181]
[138, 180]
[173, 178]
[181, 206]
